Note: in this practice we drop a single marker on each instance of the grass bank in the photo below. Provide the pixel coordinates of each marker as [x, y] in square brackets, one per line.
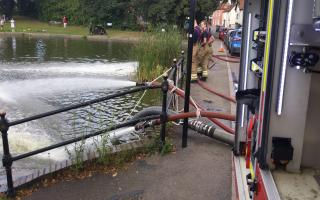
[27, 25]
[155, 53]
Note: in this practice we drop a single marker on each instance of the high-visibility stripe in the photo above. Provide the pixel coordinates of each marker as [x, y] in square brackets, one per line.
[252, 171]
[266, 52]
[254, 66]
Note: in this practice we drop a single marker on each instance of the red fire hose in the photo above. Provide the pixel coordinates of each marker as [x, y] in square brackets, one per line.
[223, 58]
[180, 93]
[204, 86]
[222, 125]
[202, 113]
[229, 56]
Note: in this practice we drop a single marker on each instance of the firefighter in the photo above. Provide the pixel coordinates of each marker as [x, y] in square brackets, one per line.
[195, 52]
[205, 51]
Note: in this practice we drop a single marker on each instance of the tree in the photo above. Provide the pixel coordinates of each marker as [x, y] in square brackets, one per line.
[7, 7]
[27, 7]
[182, 11]
[205, 8]
[100, 11]
[122, 13]
[162, 11]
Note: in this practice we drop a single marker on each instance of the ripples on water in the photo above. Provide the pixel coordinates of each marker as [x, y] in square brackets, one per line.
[38, 75]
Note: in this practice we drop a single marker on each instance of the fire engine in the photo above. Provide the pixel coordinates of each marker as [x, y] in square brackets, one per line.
[277, 137]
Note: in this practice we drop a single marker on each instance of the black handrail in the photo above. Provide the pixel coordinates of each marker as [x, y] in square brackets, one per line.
[124, 124]
[176, 66]
[163, 116]
[7, 159]
[5, 124]
[80, 105]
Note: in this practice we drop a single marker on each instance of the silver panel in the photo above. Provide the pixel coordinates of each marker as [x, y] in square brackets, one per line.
[311, 144]
[270, 186]
[292, 122]
[304, 35]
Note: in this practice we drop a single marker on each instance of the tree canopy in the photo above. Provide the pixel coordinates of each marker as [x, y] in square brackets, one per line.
[119, 12]
[7, 7]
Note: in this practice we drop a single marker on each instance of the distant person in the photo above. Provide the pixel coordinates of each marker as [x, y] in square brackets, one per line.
[2, 23]
[13, 26]
[65, 22]
[195, 51]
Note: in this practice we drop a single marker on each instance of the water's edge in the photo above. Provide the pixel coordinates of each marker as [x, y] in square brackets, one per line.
[68, 36]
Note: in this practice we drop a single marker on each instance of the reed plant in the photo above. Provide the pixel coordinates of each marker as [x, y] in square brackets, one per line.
[155, 52]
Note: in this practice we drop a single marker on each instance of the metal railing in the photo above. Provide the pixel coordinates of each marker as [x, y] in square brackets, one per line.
[5, 124]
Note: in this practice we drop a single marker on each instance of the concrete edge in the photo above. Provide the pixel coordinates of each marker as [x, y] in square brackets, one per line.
[67, 36]
[89, 155]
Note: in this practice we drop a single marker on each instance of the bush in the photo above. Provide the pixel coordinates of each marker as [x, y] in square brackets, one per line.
[155, 52]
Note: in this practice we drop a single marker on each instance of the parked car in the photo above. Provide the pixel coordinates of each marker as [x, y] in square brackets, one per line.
[97, 30]
[218, 28]
[222, 33]
[235, 42]
[227, 37]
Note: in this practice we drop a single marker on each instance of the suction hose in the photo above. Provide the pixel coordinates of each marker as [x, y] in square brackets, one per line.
[211, 131]
[198, 126]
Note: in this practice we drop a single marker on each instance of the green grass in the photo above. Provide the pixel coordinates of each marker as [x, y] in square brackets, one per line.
[27, 25]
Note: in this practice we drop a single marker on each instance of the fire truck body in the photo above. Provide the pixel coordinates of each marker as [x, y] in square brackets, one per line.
[278, 110]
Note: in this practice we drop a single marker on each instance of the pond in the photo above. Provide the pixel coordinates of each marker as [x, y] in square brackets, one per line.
[40, 75]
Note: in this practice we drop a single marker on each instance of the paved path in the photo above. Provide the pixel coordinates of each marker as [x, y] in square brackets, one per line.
[201, 171]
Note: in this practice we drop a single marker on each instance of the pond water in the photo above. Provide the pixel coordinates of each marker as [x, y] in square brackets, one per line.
[39, 75]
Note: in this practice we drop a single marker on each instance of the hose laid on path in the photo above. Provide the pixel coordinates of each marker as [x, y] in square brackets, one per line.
[181, 93]
[211, 131]
[202, 113]
[199, 127]
[226, 60]
[204, 86]
[228, 56]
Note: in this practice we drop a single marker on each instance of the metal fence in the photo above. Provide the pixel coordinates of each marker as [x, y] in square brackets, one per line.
[176, 73]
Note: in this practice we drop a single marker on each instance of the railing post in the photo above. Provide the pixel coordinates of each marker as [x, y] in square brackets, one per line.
[6, 160]
[182, 62]
[163, 116]
[175, 68]
[181, 70]
[193, 4]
